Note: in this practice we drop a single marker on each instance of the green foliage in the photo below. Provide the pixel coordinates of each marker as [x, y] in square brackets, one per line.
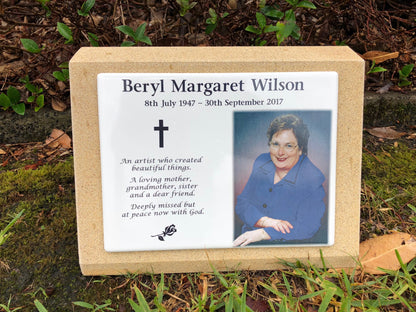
[392, 170]
[44, 5]
[404, 74]
[7, 307]
[413, 208]
[3, 233]
[93, 39]
[301, 4]
[337, 289]
[66, 32]
[185, 6]
[213, 21]
[285, 26]
[30, 45]
[137, 35]
[95, 307]
[375, 69]
[62, 75]
[37, 97]
[261, 29]
[389, 182]
[12, 99]
[40, 306]
[86, 7]
[233, 301]
[141, 305]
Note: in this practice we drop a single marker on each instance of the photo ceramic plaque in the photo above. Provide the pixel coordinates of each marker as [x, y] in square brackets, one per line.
[181, 156]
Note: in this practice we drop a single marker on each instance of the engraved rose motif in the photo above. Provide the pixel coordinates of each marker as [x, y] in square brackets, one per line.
[169, 231]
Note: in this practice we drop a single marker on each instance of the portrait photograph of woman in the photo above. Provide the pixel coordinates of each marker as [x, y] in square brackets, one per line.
[281, 178]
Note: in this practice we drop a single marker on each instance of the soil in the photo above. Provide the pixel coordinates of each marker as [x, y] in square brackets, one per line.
[388, 26]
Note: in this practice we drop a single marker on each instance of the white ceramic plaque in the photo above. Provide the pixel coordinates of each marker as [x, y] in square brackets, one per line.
[177, 151]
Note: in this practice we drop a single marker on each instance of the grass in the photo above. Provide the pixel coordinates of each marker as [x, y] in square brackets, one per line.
[39, 262]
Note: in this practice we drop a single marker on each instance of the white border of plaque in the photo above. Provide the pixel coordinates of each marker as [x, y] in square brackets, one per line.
[187, 162]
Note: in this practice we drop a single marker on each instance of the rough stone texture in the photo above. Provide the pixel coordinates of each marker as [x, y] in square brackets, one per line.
[387, 109]
[32, 127]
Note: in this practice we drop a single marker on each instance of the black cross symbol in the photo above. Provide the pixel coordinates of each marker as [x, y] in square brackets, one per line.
[161, 128]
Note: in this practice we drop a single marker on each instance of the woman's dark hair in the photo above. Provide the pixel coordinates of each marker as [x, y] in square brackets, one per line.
[288, 122]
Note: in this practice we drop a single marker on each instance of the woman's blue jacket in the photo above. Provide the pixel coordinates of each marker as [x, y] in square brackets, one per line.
[297, 198]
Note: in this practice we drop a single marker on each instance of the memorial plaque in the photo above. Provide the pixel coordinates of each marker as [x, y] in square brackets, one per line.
[188, 158]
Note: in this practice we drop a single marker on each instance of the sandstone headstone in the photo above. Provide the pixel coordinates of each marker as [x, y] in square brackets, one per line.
[165, 140]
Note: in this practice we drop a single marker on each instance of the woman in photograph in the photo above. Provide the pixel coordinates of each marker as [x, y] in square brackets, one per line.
[283, 199]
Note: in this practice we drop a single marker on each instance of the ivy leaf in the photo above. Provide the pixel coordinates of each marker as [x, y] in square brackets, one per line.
[40, 102]
[14, 95]
[279, 32]
[292, 2]
[93, 39]
[213, 15]
[270, 28]
[58, 75]
[272, 12]
[30, 45]
[86, 7]
[306, 4]
[140, 36]
[261, 20]
[404, 83]
[19, 108]
[139, 33]
[252, 29]
[4, 101]
[376, 69]
[210, 28]
[127, 30]
[406, 70]
[296, 32]
[146, 40]
[127, 44]
[31, 87]
[65, 31]
[61, 75]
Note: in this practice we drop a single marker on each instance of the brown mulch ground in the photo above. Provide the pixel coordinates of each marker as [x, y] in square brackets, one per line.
[364, 25]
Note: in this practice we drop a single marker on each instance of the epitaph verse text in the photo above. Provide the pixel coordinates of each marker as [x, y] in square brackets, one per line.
[161, 187]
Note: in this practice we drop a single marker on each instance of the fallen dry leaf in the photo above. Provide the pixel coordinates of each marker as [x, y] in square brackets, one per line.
[58, 105]
[58, 138]
[33, 166]
[379, 252]
[2, 152]
[379, 56]
[97, 18]
[386, 133]
[61, 85]
[258, 305]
